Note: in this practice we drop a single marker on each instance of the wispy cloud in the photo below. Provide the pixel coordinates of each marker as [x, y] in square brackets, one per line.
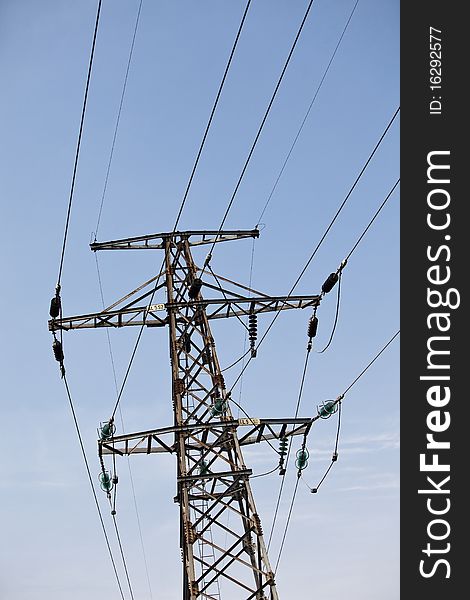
[372, 486]
[387, 439]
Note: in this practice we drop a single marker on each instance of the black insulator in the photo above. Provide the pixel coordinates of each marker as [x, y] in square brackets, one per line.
[195, 288]
[58, 352]
[186, 343]
[54, 310]
[312, 327]
[329, 283]
[252, 327]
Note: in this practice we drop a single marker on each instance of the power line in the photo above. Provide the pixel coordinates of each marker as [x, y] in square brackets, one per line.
[245, 353]
[77, 152]
[64, 242]
[343, 203]
[134, 351]
[376, 214]
[281, 487]
[111, 355]
[242, 358]
[352, 188]
[118, 117]
[212, 115]
[85, 460]
[137, 342]
[123, 557]
[291, 507]
[371, 363]
[373, 219]
[250, 281]
[264, 474]
[260, 129]
[329, 342]
[338, 401]
[320, 352]
[325, 73]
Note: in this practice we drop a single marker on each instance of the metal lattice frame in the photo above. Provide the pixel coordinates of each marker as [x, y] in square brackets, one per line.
[221, 554]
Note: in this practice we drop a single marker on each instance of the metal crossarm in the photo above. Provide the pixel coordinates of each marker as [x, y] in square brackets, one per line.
[153, 315]
[160, 440]
[158, 241]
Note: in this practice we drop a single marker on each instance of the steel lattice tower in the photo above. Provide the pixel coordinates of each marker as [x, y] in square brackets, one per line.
[221, 537]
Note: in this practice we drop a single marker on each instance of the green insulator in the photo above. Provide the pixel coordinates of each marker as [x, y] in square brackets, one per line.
[283, 446]
[107, 430]
[219, 407]
[328, 408]
[105, 481]
[302, 459]
[203, 468]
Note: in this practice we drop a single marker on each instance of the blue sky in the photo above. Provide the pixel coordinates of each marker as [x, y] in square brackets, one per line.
[343, 540]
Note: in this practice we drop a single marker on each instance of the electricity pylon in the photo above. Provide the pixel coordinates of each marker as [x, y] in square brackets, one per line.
[221, 538]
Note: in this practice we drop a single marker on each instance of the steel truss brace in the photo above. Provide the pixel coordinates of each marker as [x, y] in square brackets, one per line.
[153, 441]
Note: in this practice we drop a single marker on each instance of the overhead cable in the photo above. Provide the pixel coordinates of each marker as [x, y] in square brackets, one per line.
[297, 408]
[312, 255]
[85, 460]
[325, 73]
[131, 51]
[373, 219]
[371, 363]
[260, 129]
[123, 557]
[196, 162]
[113, 367]
[79, 140]
[338, 401]
[346, 260]
[286, 528]
[183, 202]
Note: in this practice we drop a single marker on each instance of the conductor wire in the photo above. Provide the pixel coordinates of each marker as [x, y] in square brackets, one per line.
[260, 129]
[87, 466]
[118, 117]
[322, 238]
[286, 160]
[336, 443]
[79, 141]
[297, 408]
